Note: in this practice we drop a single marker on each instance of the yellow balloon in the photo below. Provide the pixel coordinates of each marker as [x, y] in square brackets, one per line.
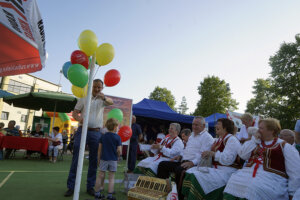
[104, 54]
[79, 92]
[88, 42]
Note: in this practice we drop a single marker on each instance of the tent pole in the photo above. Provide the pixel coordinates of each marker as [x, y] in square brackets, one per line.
[127, 154]
[50, 131]
[84, 131]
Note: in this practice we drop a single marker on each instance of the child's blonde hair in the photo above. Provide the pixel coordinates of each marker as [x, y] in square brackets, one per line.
[111, 124]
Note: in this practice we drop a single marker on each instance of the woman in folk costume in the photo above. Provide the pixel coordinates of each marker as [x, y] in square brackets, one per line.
[272, 171]
[168, 148]
[209, 183]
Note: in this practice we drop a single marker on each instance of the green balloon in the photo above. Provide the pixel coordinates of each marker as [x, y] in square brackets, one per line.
[78, 75]
[116, 113]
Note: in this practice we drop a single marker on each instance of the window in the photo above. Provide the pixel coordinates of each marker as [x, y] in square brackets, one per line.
[41, 90]
[4, 115]
[23, 118]
[18, 87]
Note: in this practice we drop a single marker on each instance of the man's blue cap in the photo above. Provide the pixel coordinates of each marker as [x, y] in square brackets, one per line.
[297, 126]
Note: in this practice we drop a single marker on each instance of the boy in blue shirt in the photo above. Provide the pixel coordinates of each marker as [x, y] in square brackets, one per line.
[110, 148]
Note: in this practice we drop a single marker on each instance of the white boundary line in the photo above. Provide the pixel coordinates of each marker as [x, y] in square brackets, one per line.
[6, 178]
[12, 172]
[36, 171]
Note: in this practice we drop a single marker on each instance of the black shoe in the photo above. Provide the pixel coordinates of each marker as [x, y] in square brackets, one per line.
[69, 193]
[91, 191]
[99, 197]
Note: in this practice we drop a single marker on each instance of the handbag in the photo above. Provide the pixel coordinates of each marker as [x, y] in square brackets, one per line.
[56, 143]
[204, 164]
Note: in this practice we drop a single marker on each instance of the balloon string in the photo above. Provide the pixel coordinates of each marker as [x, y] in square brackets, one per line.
[96, 73]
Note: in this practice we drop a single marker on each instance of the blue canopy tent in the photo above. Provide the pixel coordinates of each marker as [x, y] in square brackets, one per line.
[153, 109]
[159, 110]
[212, 119]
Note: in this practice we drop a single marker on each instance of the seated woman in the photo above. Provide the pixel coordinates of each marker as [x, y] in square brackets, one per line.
[55, 144]
[209, 183]
[168, 148]
[272, 171]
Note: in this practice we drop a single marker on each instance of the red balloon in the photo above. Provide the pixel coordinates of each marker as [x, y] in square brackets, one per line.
[112, 78]
[125, 133]
[79, 57]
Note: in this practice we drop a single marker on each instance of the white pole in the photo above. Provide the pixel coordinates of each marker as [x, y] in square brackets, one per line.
[127, 154]
[84, 131]
[53, 119]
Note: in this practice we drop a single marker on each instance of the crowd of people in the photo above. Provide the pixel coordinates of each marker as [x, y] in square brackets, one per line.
[253, 163]
[259, 161]
[57, 141]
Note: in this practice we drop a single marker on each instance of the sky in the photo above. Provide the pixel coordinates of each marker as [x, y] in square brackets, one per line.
[173, 44]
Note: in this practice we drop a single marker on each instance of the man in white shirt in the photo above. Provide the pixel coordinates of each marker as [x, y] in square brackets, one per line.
[199, 141]
[95, 123]
[247, 120]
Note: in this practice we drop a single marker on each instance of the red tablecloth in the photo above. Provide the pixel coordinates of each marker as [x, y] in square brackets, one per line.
[1, 139]
[28, 143]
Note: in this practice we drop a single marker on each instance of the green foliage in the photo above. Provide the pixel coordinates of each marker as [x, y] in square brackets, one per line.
[215, 97]
[163, 94]
[262, 98]
[182, 108]
[279, 96]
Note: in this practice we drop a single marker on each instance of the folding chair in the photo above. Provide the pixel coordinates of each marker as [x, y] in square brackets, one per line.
[60, 156]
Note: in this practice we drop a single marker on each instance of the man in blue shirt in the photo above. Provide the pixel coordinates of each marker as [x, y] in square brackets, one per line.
[136, 134]
[10, 131]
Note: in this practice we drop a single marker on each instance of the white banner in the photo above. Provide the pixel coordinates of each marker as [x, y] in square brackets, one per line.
[236, 118]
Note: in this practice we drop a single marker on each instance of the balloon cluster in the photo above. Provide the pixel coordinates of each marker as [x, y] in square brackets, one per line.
[76, 69]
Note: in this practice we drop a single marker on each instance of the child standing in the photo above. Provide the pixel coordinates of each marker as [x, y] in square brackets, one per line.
[110, 148]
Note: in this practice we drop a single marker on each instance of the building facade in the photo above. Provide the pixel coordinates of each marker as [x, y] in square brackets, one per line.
[20, 84]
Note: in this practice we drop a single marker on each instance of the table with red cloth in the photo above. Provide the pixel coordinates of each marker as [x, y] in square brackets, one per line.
[28, 143]
[1, 139]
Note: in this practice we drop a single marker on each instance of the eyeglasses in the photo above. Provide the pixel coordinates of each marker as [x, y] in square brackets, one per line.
[197, 124]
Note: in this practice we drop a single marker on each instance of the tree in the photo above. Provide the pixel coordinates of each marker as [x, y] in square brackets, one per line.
[163, 94]
[279, 96]
[286, 77]
[215, 96]
[259, 105]
[183, 106]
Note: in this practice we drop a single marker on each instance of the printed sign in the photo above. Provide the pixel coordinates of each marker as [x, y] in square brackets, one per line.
[123, 104]
[22, 38]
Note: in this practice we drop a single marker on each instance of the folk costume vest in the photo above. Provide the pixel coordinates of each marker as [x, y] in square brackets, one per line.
[168, 143]
[270, 156]
[219, 145]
